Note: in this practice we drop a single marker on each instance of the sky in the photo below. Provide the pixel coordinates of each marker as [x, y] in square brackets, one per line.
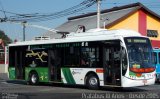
[15, 31]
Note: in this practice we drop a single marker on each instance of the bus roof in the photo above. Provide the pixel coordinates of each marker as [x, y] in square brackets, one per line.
[90, 35]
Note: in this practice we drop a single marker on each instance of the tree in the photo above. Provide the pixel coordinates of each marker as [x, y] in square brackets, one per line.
[5, 38]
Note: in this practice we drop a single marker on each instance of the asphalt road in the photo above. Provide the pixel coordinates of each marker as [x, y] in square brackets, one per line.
[20, 90]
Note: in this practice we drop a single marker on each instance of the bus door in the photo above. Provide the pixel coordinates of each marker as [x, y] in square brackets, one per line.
[54, 65]
[19, 59]
[111, 55]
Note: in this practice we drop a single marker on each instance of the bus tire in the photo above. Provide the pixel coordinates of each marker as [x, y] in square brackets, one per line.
[92, 81]
[33, 78]
[158, 80]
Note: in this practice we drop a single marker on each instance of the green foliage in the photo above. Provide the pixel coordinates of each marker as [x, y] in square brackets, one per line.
[5, 38]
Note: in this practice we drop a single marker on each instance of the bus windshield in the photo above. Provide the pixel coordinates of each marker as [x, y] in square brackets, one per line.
[140, 54]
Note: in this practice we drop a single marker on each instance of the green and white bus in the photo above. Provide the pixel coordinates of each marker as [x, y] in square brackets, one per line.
[94, 58]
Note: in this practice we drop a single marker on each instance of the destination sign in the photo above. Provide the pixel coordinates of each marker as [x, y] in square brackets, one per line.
[137, 40]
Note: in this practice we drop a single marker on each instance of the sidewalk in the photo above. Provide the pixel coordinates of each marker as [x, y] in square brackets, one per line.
[4, 76]
[3, 72]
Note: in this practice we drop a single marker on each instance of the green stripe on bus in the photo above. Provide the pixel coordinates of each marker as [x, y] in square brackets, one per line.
[12, 74]
[68, 76]
[42, 73]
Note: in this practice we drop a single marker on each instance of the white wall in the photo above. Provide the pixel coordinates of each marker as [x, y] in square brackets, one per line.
[3, 68]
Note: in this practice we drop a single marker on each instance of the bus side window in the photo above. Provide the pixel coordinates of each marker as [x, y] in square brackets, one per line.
[124, 61]
[158, 60]
[85, 59]
[155, 57]
[90, 56]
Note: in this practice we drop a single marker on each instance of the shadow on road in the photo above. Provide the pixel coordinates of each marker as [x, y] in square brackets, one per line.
[17, 82]
[120, 89]
[113, 89]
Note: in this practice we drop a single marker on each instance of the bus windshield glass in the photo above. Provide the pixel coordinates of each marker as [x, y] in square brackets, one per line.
[140, 54]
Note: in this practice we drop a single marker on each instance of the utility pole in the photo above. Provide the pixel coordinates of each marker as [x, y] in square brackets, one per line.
[25, 24]
[24, 30]
[98, 13]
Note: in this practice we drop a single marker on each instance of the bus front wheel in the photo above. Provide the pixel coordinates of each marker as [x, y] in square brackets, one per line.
[92, 81]
[33, 78]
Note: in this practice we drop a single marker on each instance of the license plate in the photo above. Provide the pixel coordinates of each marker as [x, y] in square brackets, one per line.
[144, 81]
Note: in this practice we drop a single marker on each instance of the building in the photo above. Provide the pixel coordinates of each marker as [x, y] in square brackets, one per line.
[134, 16]
[2, 53]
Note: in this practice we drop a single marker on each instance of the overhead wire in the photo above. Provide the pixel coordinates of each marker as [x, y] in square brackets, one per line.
[54, 16]
[3, 9]
[37, 17]
[44, 17]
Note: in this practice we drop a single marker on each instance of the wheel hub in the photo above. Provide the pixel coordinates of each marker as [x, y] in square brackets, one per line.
[34, 78]
[93, 81]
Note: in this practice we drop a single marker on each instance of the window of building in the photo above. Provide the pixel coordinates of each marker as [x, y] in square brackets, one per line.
[152, 33]
[2, 55]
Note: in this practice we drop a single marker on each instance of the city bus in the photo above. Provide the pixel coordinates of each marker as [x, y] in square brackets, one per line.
[97, 57]
[157, 63]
